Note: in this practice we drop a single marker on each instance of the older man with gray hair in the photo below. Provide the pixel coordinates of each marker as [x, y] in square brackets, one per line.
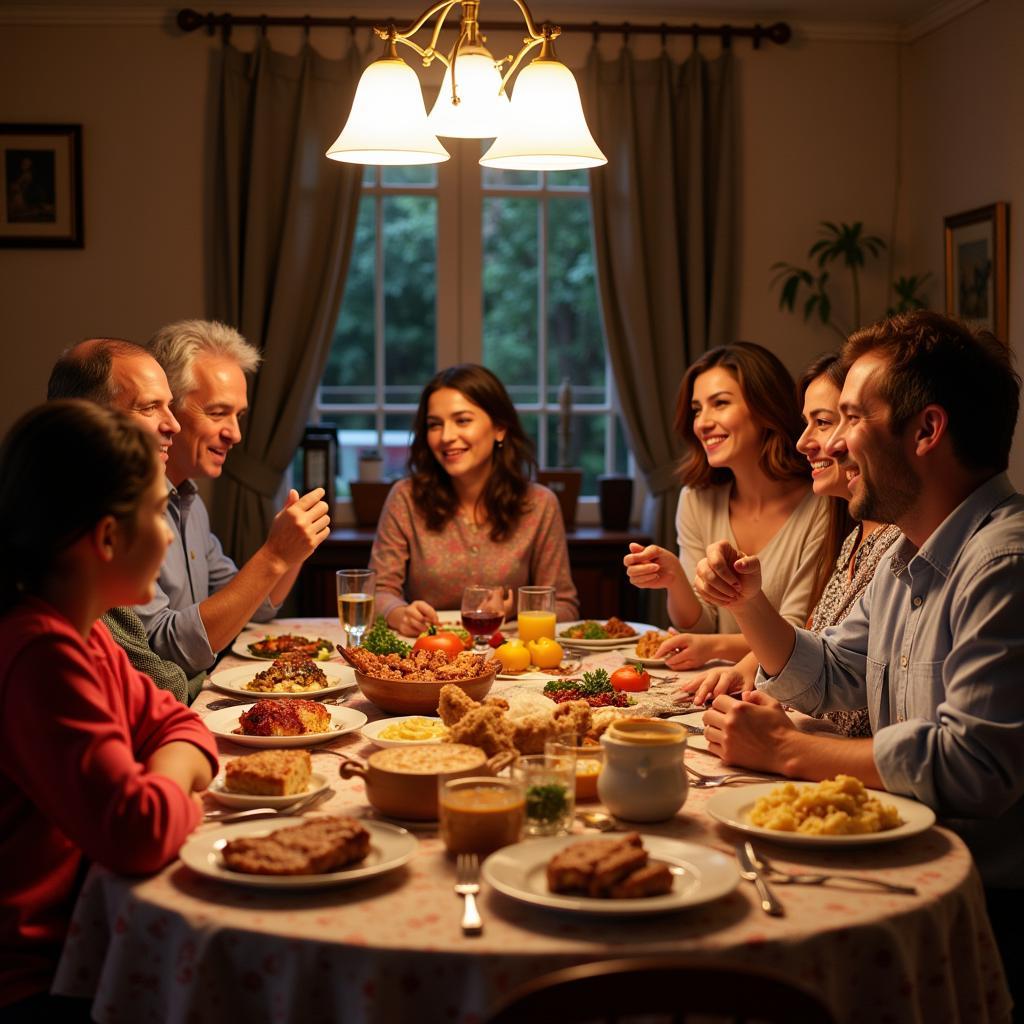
[203, 599]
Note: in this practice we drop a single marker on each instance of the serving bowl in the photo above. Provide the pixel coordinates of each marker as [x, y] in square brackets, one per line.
[415, 696]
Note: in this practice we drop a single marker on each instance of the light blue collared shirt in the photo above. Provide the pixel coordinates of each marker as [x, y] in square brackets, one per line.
[194, 567]
[942, 673]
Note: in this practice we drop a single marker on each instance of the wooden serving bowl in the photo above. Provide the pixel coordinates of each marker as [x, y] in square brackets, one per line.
[417, 697]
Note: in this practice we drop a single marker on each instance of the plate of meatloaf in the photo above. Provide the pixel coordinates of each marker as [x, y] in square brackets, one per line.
[288, 676]
[283, 723]
[625, 875]
[298, 852]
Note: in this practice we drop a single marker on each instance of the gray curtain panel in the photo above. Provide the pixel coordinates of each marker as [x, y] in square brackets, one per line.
[663, 229]
[284, 220]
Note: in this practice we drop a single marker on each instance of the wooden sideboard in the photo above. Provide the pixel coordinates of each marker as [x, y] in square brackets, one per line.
[595, 557]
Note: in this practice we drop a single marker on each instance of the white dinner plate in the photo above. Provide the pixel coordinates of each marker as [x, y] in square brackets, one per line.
[646, 662]
[701, 874]
[234, 681]
[600, 645]
[695, 741]
[543, 675]
[317, 783]
[222, 723]
[372, 731]
[732, 807]
[390, 848]
[251, 636]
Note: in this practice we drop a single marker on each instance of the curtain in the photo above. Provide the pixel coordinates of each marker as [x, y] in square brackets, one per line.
[284, 220]
[663, 233]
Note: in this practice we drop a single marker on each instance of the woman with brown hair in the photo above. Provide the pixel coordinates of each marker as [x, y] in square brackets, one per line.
[468, 510]
[742, 479]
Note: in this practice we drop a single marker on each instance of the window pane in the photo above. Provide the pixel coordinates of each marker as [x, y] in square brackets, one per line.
[621, 448]
[586, 448]
[495, 178]
[370, 174]
[511, 293]
[567, 179]
[409, 286]
[356, 431]
[417, 174]
[397, 435]
[350, 363]
[531, 428]
[575, 340]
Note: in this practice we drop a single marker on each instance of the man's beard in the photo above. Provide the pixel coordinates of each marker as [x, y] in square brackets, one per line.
[889, 499]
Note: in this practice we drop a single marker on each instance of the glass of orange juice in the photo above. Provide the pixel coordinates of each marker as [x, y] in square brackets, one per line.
[536, 613]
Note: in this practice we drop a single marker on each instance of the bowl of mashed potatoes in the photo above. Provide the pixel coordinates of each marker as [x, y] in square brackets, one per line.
[405, 731]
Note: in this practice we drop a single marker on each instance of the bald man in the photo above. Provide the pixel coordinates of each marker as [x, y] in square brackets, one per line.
[122, 375]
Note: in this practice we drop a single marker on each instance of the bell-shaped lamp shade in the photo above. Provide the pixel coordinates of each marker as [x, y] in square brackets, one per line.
[388, 122]
[545, 129]
[482, 107]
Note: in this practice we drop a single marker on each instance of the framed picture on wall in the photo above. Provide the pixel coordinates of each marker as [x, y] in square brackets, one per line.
[977, 281]
[41, 201]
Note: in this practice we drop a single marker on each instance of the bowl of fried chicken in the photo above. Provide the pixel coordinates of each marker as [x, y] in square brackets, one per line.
[412, 685]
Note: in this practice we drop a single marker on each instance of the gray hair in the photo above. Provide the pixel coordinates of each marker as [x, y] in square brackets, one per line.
[176, 346]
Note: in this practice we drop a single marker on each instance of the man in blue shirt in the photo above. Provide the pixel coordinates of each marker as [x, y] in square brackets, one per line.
[928, 413]
[202, 598]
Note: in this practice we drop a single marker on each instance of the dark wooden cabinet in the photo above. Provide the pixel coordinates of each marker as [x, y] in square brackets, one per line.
[595, 557]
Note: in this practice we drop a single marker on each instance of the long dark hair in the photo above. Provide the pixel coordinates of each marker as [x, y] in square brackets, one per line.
[770, 395]
[512, 462]
[840, 522]
[99, 461]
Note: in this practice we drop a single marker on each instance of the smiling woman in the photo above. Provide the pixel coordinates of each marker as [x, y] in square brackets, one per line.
[468, 511]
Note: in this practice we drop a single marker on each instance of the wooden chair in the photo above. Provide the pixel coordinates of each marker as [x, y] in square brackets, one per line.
[680, 988]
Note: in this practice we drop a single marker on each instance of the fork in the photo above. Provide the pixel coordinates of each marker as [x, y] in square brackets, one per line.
[228, 814]
[810, 878]
[467, 885]
[702, 781]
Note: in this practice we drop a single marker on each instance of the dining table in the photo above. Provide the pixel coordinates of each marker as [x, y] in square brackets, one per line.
[179, 947]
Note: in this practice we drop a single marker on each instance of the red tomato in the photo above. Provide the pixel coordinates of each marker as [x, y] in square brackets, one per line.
[630, 677]
[432, 640]
[497, 640]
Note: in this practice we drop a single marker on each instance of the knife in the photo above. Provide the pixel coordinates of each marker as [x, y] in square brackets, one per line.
[749, 871]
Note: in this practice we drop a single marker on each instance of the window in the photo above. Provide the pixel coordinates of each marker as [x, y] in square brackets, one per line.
[457, 263]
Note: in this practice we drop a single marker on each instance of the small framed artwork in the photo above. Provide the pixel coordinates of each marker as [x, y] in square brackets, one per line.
[977, 271]
[41, 201]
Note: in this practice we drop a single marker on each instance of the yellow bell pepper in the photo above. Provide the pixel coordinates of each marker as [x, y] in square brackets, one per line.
[513, 655]
[545, 652]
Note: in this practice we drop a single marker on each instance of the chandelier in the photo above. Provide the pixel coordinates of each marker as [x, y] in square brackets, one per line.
[541, 128]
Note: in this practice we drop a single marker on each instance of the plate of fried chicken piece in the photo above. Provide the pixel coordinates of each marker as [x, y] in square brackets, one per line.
[629, 875]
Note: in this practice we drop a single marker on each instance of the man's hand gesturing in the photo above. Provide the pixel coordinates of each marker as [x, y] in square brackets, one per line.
[300, 527]
[727, 577]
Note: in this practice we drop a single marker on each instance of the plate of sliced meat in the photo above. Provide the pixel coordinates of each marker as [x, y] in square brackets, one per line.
[268, 646]
[628, 875]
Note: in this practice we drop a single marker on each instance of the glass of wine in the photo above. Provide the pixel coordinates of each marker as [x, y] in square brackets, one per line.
[355, 602]
[483, 611]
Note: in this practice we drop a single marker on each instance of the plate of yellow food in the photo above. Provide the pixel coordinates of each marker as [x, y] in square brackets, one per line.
[835, 812]
[289, 676]
[405, 731]
[283, 723]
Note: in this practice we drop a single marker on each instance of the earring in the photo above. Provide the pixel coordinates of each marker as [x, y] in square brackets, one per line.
[500, 444]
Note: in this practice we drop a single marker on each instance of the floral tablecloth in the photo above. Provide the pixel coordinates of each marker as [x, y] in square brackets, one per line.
[177, 948]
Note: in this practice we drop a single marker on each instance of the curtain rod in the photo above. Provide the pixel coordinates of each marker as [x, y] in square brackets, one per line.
[780, 33]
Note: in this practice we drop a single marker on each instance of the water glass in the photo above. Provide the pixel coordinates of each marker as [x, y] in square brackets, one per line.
[536, 613]
[549, 782]
[355, 602]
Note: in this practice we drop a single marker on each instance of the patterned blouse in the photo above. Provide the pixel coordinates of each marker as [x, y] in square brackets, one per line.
[414, 563]
[841, 593]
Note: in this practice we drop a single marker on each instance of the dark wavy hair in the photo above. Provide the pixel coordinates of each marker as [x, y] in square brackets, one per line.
[101, 461]
[934, 359]
[840, 522]
[770, 394]
[512, 462]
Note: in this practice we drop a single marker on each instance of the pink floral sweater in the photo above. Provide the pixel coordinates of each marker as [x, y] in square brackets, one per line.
[414, 563]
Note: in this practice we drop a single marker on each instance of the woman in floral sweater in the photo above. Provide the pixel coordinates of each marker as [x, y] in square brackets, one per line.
[468, 511]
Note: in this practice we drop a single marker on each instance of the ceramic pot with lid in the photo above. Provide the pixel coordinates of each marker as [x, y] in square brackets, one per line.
[643, 778]
[401, 782]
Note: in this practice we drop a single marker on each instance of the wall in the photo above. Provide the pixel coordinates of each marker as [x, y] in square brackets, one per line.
[963, 148]
[140, 92]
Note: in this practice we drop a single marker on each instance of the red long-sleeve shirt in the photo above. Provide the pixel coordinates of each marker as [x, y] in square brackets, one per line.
[77, 724]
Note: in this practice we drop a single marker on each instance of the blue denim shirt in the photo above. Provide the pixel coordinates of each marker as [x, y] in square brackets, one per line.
[942, 672]
[194, 568]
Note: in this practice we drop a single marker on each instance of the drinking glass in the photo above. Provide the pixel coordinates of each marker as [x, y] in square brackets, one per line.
[479, 814]
[589, 758]
[355, 602]
[536, 613]
[483, 611]
[549, 781]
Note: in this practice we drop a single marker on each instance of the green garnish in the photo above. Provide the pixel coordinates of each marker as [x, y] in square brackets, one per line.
[546, 803]
[446, 627]
[593, 683]
[378, 639]
[588, 630]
